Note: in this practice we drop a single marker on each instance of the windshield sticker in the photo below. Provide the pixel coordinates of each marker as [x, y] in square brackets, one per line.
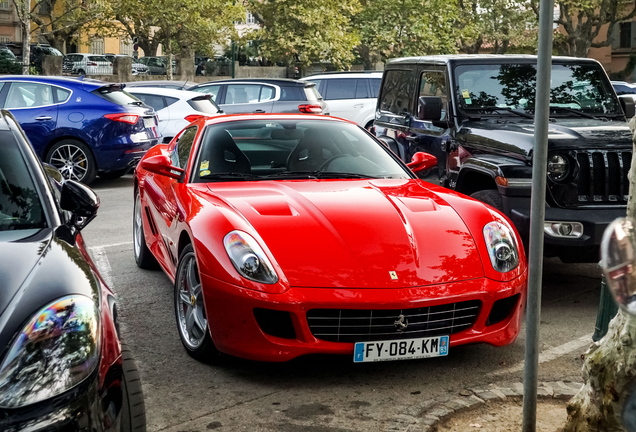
[465, 94]
[468, 101]
[204, 173]
[205, 165]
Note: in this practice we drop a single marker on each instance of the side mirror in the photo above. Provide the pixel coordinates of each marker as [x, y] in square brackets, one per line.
[162, 165]
[429, 108]
[618, 257]
[627, 103]
[422, 161]
[81, 201]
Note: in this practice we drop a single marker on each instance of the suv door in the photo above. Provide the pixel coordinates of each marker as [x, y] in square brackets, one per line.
[348, 98]
[35, 107]
[249, 98]
[394, 108]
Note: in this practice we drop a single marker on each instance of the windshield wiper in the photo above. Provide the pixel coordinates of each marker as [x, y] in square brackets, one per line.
[507, 109]
[228, 176]
[315, 175]
[572, 110]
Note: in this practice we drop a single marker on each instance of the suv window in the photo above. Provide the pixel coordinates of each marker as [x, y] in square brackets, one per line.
[242, 93]
[434, 84]
[61, 94]
[374, 86]
[212, 90]
[396, 94]
[362, 91]
[292, 94]
[154, 101]
[29, 95]
[340, 88]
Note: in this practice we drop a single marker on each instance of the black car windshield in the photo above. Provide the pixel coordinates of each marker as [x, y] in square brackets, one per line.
[292, 150]
[20, 205]
[482, 89]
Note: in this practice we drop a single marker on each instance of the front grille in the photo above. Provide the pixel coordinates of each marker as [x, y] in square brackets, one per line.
[602, 177]
[501, 309]
[275, 323]
[353, 325]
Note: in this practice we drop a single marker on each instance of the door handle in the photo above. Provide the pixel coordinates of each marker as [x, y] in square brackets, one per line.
[412, 138]
[358, 106]
[43, 118]
[259, 111]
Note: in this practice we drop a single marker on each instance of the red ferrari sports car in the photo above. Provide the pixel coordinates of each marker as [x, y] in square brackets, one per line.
[288, 235]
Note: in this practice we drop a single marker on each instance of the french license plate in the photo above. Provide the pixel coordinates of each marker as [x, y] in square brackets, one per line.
[149, 122]
[400, 349]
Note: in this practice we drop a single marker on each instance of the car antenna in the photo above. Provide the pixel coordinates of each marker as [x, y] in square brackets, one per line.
[184, 84]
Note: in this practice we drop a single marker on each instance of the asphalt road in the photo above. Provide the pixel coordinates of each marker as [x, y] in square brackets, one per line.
[314, 394]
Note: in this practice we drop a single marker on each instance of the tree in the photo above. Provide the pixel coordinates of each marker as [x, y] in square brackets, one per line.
[406, 28]
[297, 30]
[610, 364]
[23, 9]
[582, 21]
[500, 24]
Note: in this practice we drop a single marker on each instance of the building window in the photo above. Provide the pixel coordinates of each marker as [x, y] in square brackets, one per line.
[4, 39]
[126, 47]
[4, 5]
[249, 18]
[44, 7]
[97, 46]
[625, 35]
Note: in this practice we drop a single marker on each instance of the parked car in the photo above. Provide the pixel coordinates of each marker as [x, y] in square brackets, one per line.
[301, 234]
[175, 108]
[157, 65]
[82, 127]
[137, 68]
[62, 365]
[264, 95]
[88, 64]
[177, 85]
[350, 95]
[36, 53]
[475, 113]
[623, 88]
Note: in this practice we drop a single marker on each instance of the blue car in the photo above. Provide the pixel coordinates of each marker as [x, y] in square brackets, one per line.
[84, 128]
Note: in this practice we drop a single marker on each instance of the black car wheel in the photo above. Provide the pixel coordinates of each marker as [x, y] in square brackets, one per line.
[74, 160]
[143, 257]
[133, 410]
[192, 321]
[490, 197]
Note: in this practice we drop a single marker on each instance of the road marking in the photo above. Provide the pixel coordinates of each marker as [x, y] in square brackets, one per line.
[111, 245]
[551, 354]
[102, 263]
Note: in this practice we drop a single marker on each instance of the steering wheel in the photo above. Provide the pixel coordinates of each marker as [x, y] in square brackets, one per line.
[331, 159]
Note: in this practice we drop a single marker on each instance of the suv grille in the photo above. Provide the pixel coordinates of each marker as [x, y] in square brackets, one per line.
[602, 177]
[351, 325]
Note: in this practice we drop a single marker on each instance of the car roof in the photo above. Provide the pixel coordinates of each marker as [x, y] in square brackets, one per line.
[482, 58]
[87, 84]
[353, 74]
[160, 83]
[278, 81]
[162, 91]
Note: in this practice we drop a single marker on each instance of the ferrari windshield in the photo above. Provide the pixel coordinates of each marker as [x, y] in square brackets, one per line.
[292, 149]
[20, 205]
[504, 88]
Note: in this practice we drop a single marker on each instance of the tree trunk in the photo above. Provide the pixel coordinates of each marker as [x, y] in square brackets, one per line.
[25, 24]
[186, 57]
[609, 370]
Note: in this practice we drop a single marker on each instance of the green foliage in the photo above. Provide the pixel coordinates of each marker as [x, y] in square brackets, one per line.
[9, 66]
[297, 30]
[392, 28]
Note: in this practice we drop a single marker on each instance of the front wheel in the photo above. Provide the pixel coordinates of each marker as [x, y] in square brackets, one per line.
[490, 197]
[74, 160]
[190, 312]
[133, 410]
[143, 257]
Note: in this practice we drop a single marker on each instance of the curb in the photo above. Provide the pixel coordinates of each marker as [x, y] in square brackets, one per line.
[426, 415]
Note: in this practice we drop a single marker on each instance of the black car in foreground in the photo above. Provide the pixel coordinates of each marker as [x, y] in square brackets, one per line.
[475, 113]
[62, 366]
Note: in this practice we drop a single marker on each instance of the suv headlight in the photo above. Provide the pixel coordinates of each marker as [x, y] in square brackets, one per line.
[558, 167]
[502, 248]
[248, 258]
[56, 350]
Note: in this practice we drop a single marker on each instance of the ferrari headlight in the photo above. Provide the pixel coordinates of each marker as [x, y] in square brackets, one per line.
[501, 245]
[56, 350]
[248, 258]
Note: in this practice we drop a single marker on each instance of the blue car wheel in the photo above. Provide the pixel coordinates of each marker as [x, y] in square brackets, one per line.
[74, 160]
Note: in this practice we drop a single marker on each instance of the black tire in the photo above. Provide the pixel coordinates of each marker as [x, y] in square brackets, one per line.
[133, 409]
[109, 175]
[197, 340]
[143, 257]
[490, 197]
[74, 160]
[81, 72]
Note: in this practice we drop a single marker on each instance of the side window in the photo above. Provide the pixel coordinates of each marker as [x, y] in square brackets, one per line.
[361, 89]
[434, 84]
[267, 93]
[397, 91]
[292, 94]
[170, 100]
[181, 152]
[242, 93]
[61, 95]
[374, 86]
[29, 95]
[212, 90]
[154, 101]
[341, 88]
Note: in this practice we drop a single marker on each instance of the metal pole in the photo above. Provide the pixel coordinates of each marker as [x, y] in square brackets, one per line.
[537, 214]
[233, 59]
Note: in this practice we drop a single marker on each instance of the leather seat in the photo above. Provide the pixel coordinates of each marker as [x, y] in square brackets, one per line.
[311, 153]
[224, 156]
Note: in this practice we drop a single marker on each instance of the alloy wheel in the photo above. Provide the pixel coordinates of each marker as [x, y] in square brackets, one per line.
[138, 234]
[189, 300]
[71, 161]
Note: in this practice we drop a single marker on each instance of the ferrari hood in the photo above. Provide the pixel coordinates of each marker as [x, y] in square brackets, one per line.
[357, 234]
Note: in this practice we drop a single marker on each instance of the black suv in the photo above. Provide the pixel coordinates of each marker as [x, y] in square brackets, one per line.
[475, 113]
